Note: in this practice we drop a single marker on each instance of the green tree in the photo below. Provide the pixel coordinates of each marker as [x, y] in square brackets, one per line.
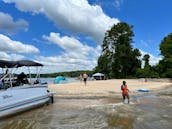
[121, 60]
[148, 71]
[146, 59]
[165, 65]
[103, 65]
[166, 47]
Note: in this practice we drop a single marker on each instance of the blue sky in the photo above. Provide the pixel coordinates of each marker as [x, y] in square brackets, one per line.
[66, 35]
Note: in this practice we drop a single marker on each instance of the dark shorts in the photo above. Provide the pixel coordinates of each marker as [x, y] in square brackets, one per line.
[125, 95]
[85, 79]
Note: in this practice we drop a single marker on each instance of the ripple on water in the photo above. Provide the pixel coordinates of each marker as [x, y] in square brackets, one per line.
[105, 113]
[21, 124]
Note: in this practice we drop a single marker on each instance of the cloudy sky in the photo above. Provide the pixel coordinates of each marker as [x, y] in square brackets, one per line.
[67, 35]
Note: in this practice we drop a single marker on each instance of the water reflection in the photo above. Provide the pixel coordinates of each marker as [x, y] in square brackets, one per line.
[150, 112]
[118, 121]
[21, 124]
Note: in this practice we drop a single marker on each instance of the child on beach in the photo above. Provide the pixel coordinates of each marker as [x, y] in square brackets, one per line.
[125, 92]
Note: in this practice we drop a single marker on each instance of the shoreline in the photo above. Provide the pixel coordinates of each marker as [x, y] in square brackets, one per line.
[105, 88]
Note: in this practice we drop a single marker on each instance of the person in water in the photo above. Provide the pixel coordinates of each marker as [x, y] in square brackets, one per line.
[125, 91]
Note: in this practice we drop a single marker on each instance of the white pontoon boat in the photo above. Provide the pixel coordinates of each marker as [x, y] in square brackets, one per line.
[16, 96]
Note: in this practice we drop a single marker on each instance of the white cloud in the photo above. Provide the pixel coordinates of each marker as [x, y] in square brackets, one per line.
[5, 56]
[118, 3]
[8, 45]
[153, 60]
[69, 44]
[64, 62]
[109, 3]
[76, 56]
[8, 25]
[144, 43]
[75, 15]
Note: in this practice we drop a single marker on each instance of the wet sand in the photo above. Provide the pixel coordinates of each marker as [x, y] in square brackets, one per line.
[147, 111]
[91, 110]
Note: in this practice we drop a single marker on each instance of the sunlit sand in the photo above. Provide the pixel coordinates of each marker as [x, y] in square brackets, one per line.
[105, 87]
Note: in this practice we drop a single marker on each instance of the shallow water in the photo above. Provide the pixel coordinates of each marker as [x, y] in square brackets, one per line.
[147, 111]
[51, 80]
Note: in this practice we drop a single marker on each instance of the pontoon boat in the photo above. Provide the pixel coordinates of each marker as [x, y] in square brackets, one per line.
[17, 96]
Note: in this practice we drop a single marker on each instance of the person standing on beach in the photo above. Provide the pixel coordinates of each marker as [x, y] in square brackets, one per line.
[80, 77]
[85, 76]
[125, 92]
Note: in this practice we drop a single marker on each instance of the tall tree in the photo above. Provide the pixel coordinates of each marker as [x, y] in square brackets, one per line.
[148, 71]
[146, 59]
[122, 60]
[103, 64]
[166, 52]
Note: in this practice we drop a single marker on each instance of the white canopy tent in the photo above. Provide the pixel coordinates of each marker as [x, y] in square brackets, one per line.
[99, 76]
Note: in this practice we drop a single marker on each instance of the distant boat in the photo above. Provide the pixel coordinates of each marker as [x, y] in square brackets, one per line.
[60, 79]
[16, 97]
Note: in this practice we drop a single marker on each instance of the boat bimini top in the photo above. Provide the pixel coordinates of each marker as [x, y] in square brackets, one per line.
[4, 64]
[16, 64]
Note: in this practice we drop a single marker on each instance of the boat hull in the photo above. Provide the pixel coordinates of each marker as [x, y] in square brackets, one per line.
[17, 100]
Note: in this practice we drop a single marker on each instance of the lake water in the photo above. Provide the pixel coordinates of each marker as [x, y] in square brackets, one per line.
[146, 111]
[51, 80]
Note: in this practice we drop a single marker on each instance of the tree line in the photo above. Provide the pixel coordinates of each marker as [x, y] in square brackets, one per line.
[120, 60]
[68, 74]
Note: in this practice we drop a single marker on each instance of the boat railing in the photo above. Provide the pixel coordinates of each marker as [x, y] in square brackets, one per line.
[14, 82]
[9, 78]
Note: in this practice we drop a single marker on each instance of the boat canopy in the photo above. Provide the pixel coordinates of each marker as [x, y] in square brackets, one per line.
[20, 63]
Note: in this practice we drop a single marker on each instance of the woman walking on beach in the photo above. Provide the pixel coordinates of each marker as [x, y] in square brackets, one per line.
[125, 92]
[85, 76]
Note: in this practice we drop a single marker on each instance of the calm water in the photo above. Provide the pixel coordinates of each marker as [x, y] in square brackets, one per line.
[51, 80]
[146, 111]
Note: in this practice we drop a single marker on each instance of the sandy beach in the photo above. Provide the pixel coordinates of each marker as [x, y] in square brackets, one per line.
[106, 87]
